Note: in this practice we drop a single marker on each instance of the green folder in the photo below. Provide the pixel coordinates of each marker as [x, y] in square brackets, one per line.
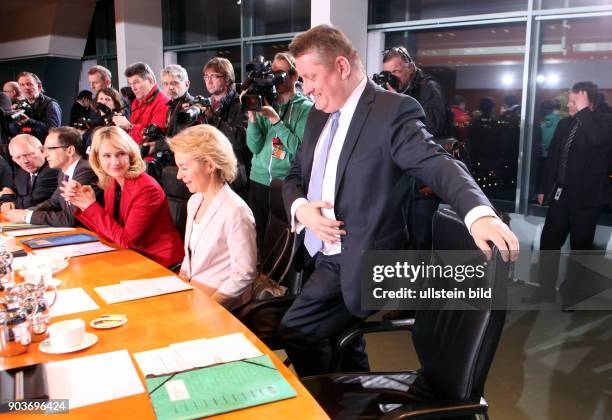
[217, 389]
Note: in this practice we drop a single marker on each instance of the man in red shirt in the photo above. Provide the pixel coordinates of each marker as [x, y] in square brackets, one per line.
[148, 107]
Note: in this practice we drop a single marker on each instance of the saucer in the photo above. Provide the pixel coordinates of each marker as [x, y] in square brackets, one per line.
[53, 282]
[88, 341]
[60, 267]
[108, 321]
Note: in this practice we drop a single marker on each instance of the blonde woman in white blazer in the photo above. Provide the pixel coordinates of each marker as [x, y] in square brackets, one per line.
[220, 249]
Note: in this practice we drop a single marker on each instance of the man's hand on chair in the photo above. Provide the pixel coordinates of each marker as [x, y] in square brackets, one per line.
[489, 228]
[328, 230]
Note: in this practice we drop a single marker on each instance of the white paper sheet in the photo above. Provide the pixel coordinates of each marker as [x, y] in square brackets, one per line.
[93, 379]
[71, 301]
[161, 361]
[19, 263]
[138, 289]
[207, 352]
[75, 250]
[196, 353]
[37, 231]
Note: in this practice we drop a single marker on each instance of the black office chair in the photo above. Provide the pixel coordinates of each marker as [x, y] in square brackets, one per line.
[177, 195]
[263, 316]
[455, 348]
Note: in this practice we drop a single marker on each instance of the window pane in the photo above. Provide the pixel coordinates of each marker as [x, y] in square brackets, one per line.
[484, 66]
[194, 62]
[269, 49]
[278, 17]
[560, 4]
[572, 50]
[188, 22]
[385, 11]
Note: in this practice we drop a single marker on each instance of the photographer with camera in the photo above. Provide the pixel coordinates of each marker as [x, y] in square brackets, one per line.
[406, 78]
[11, 89]
[40, 112]
[108, 103]
[82, 106]
[175, 84]
[225, 113]
[149, 107]
[275, 130]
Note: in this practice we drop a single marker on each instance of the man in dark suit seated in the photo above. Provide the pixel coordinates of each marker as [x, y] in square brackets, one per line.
[64, 149]
[359, 142]
[34, 181]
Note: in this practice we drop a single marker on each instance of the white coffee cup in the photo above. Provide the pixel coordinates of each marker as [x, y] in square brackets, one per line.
[67, 334]
[38, 273]
[55, 260]
[9, 242]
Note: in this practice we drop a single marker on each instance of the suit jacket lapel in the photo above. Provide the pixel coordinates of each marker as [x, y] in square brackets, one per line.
[354, 131]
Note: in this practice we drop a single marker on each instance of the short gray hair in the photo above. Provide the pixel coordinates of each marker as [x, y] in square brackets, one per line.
[175, 71]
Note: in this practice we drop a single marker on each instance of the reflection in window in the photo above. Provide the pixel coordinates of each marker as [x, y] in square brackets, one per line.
[572, 50]
[278, 17]
[385, 11]
[269, 49]
[561, 4]
[480, 70]
[194, 62]
[188, 22]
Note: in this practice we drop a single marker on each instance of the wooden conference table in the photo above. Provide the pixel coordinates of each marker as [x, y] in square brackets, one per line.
[153, 323]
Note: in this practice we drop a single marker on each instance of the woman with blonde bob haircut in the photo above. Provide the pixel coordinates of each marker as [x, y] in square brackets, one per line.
[220, 250]
[135, 213]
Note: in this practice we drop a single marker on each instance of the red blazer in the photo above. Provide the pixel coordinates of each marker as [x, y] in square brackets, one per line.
[144, 225]
[152, 109]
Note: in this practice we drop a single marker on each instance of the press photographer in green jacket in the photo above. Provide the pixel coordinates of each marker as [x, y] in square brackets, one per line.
[274, 135]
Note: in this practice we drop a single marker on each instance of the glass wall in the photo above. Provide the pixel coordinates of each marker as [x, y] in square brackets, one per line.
[481, 66]
[562, 4]
[386, 11]
[571, 50]
[190, 22]
[278, 17]
[269, 49]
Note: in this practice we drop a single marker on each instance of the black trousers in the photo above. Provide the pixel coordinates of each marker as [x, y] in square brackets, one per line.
[259, 202]
[311, 326]
[564, 218]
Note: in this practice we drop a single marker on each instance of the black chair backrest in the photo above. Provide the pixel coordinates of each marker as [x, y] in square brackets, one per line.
[456, 347]
[277, 251]
[177, 195]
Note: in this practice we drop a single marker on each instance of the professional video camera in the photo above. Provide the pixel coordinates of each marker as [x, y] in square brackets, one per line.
[103, 118]
[384, 77]
[20, 108]
[260, 84]
[191, 114]
[151, 133]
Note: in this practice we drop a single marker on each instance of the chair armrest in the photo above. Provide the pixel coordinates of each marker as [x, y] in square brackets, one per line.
[439, 409]
[367, 327]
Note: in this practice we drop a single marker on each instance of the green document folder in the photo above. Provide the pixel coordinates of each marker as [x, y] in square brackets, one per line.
[217, 389]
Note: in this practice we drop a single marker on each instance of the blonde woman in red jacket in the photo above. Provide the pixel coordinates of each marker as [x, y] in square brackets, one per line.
[135, 214]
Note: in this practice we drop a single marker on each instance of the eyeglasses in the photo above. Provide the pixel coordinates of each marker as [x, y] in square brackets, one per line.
[45, 148]
[395, 51]
[212, 76]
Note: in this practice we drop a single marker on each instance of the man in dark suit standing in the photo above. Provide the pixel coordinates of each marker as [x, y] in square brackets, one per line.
[64, 149]
[34, 181]
[575, 182]
[358, 144]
